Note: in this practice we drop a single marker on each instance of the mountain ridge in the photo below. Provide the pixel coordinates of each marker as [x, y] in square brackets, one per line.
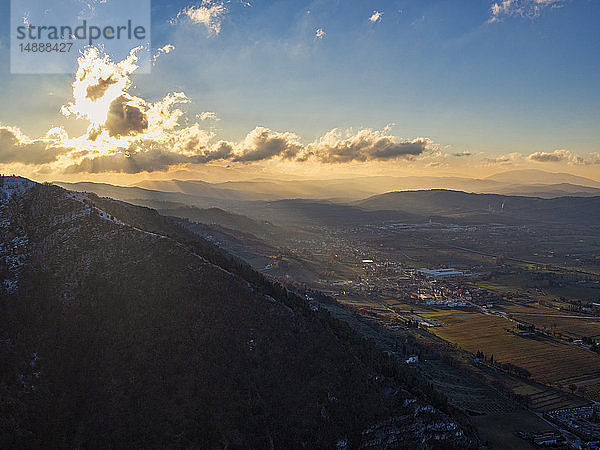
[129, 330]
[542, 176]
[462, 205]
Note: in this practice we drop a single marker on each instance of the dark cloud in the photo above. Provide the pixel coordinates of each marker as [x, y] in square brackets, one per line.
[545, 157]
[141, 161]
[386, 148]
[125, 117]
[146, 156]
[222, 150]
[15, 148]
[96, 91]
[555, 156]
[365, 145]
[261, 144]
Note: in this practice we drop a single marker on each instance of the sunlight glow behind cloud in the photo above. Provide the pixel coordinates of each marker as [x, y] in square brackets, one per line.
[129, 134]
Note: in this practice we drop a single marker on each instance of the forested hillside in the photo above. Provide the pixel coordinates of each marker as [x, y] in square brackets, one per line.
[120, 328]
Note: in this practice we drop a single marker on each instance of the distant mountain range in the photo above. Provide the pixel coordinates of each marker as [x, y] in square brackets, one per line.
[483, 208]
[121, 328]
[532, 176]
[240, 206]
[533, 183]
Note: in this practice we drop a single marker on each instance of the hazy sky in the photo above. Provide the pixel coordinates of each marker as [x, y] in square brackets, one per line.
[322, 88]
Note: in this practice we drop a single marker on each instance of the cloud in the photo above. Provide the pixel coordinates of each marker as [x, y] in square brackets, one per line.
[364, 145]
[258, 145]
[320, 33]
[557, 155]
[129, 134]
[508, 159]
[98, 82]
[100, 93]
[168, 48]
[562, 155]
[436, 164]
[521, 8]
[376, 16]
[208, 115]
[97, 91]
[463, 153]
[262, 143]
[592, 158]
[210, 14]
[335, 146]
[191, 141]
[15, 147]
[147, 158]
[126, 117]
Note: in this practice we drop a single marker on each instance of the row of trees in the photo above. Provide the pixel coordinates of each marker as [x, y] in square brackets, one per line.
[509, 368]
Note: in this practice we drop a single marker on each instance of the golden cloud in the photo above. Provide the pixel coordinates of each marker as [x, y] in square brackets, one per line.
[129, 134]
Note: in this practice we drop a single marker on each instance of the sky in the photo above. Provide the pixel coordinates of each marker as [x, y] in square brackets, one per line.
[242, 89]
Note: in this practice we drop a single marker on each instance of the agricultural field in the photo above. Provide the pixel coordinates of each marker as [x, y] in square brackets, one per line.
[518, 284]
[543, 398]
[551, 320]
[548, 360]
[401, 307]
[466, 392]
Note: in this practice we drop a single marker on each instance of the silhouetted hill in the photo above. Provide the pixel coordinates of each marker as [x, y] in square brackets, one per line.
[137, 195]
[458, 205]
[217, 216]
[579, 206]
[313, 212]
[123, 329]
